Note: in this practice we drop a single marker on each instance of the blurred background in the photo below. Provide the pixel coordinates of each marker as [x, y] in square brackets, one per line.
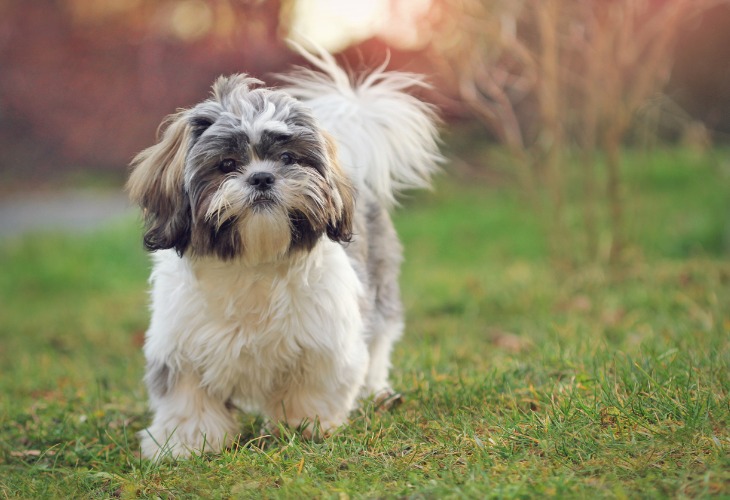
[566, 282]
[545, 93]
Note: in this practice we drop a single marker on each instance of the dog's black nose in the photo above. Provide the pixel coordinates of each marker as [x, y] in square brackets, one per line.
[262, 180]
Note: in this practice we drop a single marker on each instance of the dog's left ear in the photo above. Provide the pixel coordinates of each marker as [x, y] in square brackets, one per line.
[157, 185]
[342, 203]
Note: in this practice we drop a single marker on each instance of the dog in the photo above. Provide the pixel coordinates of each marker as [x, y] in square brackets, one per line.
[274, 286]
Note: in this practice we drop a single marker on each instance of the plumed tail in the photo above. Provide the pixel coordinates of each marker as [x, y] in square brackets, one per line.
[386, 138]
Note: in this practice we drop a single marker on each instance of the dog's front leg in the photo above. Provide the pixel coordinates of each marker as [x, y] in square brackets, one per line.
[319, 399]
[186, 417]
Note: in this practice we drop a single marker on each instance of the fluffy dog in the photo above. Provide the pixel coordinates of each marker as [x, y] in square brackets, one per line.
[275, 277]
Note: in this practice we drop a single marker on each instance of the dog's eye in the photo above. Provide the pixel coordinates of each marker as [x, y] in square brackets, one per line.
[227, 166]
[288, 158]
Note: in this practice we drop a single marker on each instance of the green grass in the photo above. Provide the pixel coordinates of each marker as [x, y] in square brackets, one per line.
[520, 380]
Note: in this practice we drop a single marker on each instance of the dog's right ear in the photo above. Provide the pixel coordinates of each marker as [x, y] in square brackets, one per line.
[157, 185]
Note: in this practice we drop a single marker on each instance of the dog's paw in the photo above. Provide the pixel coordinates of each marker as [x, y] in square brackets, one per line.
[160, 447]
[307, 429]
[159, 444]
[386, 400]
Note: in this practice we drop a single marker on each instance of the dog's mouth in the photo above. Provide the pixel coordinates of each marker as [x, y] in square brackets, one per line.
[263, 201]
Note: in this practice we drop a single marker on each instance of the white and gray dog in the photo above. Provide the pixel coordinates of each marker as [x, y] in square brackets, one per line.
[275, 279]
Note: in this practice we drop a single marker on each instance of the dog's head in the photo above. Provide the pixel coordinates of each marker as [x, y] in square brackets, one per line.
[246, 173]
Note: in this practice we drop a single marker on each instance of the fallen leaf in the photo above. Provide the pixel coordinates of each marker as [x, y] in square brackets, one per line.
[31, 453]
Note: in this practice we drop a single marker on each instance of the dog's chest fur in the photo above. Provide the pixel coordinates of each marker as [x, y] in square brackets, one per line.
[249, 332]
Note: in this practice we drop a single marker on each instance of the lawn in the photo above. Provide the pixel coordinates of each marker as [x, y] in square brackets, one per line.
[521, 378]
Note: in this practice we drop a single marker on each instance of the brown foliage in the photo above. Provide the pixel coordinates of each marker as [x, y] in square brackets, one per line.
[588, 66]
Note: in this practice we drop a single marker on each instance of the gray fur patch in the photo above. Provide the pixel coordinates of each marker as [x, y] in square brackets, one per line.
[376, 255]
[159, 378]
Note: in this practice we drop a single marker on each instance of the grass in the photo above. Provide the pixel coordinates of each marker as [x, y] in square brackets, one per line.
[521, 379]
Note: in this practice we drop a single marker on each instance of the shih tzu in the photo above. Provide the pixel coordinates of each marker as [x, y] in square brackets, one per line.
[275, 277]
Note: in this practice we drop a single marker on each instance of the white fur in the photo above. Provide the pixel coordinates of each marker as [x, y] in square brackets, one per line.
[272, 120]
[289, 330]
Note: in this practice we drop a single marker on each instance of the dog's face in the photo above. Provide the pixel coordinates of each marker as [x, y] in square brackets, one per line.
[246, 174]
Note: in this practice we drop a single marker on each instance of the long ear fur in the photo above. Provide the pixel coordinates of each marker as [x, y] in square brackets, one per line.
[156, 184]
[339, 228]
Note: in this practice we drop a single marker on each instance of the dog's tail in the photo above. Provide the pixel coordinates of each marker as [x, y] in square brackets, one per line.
[386, 138]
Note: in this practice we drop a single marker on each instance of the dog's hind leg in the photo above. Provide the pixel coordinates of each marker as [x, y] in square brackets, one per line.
[386, 315]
